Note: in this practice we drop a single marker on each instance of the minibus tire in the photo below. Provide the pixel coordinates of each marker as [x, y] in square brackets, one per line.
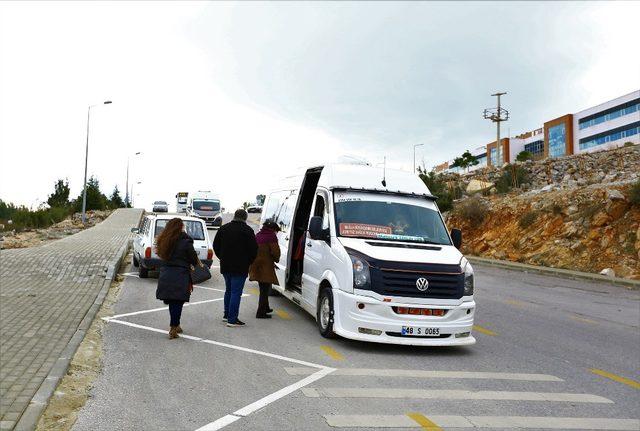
[325, 295]
[143, 272]
[135, 261]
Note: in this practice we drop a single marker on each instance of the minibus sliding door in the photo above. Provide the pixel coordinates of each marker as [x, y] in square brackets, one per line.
[299, 225]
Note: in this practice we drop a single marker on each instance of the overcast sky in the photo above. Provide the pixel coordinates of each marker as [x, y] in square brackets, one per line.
[230, 97]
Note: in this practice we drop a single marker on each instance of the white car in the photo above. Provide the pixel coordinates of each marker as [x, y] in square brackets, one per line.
[160, 207]
[144, 252]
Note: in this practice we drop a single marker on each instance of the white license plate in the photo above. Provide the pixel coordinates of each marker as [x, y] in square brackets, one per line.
[415, 331]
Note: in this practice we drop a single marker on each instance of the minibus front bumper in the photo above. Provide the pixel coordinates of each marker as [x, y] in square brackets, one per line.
[364, 318]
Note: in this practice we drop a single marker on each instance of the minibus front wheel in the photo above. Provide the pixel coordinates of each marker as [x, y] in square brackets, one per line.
[324, 316]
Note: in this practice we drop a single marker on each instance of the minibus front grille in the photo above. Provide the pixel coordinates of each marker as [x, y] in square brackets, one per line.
[445, 281]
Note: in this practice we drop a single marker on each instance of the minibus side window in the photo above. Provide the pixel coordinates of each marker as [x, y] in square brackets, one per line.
[320, 210]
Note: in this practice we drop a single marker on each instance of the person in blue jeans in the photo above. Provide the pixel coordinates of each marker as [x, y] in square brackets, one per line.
[236, 247]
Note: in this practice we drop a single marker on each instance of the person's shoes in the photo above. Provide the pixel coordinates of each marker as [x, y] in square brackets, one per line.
[173, 332]
[225, 319]
[236, 323]
[178, 329]
[263, 316]
[270, 310]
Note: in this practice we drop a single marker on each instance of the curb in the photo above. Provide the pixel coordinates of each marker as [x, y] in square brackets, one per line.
[566, 273]
[29, 419]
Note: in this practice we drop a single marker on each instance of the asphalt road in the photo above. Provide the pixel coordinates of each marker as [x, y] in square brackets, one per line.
[542, 339]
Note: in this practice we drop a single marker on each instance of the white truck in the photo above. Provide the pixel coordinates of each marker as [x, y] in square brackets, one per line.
[206, 206]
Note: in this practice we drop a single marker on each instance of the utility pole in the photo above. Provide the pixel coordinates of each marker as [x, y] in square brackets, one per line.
[414, 156]
[86, 160]
[497, 115]
[127, 199]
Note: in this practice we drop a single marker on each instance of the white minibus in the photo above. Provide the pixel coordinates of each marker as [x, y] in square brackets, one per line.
[365, 250]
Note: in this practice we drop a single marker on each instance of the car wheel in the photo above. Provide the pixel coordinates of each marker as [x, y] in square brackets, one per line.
[143, 272]
[134, 260]
[324, 315]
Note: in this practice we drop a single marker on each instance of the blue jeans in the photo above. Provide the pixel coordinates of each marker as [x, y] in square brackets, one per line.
[234, 284]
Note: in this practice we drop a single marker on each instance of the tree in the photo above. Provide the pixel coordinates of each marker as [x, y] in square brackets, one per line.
[95, 199]
[60, 196]
[115, 201]
[444, 192]
[523, 156]
[465, 161]
[246, 205]
[260, 199]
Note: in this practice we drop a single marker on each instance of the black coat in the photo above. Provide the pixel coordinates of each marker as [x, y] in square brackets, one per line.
[175, 274]
[236, 247]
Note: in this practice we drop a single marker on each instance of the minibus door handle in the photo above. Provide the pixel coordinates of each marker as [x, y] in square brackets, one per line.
[308, 244]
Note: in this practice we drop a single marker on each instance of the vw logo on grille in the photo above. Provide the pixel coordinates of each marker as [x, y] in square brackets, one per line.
[422, 284]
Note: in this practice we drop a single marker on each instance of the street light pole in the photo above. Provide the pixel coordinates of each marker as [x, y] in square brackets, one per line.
[414, 156]
[86, 159]
[127, 199]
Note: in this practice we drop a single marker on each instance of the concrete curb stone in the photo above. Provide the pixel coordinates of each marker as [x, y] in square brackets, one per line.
[567, 273]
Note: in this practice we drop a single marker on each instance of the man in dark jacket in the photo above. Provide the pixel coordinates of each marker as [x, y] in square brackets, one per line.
[236, 247]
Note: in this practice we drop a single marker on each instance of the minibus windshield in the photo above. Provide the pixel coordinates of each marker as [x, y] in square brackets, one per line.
[206, 205]
[360, 215]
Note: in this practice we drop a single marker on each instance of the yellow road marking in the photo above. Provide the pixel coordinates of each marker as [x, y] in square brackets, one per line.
[332, 353]
[254, 291]
[616, 378]
[283, 314]
[424, 422]
[515, 302]
[583, 319]
[483, 330]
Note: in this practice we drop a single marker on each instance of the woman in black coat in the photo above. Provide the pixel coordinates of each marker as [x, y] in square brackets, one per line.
[175, 248]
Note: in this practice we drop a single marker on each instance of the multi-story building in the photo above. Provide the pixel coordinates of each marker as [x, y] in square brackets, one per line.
[608, 125]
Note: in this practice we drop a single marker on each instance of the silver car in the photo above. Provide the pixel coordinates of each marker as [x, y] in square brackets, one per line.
[160, 207]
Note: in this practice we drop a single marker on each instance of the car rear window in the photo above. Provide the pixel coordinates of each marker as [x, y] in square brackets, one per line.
[193, 228]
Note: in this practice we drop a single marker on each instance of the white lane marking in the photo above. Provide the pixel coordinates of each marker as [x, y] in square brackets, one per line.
[220, 423]
[247, 410]
[257, 405]
[509, 422]
[452, 395]
[151, 310]
[427, 374]
[131, 274]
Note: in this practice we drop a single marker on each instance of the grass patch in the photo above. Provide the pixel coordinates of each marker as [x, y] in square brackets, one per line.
[474, 210]
[528, 218]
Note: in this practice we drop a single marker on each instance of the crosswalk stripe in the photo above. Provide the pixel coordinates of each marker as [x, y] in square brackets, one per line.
[427, 374]
[509, 422]
[452, 395]
[424, 422]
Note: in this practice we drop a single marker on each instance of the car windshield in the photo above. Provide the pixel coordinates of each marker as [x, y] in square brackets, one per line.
[159, 203]
[182, 200]
[206, 205]
[193, 228]
[361, 215]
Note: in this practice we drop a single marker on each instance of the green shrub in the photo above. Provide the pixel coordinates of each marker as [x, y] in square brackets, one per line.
[474, 210]
[634, 194]
[629, 144]
[527, 219]
[523, 156]
[506, 182]
[556, 209]
[439, 188]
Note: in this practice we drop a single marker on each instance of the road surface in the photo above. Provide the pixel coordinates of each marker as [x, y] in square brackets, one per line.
[551, 353]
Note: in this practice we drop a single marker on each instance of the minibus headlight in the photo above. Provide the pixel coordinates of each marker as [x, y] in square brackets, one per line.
[468, 277]
[361, 274]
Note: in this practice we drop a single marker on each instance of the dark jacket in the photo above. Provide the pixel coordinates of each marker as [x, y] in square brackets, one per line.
[174, 283]
[236, 247]
[262, 269]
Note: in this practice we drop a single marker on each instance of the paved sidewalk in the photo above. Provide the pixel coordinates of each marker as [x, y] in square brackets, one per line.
[45, 293]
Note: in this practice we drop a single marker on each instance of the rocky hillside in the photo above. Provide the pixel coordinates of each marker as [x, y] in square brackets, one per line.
[575, 213]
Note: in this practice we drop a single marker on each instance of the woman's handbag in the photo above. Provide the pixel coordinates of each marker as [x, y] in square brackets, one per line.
[200, 273]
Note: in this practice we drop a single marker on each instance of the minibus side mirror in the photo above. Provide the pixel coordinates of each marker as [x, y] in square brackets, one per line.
[316, 231]
[456, 237]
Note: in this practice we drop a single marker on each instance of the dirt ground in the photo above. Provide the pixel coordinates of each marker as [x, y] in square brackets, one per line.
[73, 391]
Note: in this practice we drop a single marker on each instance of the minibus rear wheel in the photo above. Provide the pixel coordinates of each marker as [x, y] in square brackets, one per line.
[324, 316]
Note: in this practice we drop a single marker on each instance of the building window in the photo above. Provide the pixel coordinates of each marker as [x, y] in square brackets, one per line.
[610, 114]
[536, 148]
[610, 136]
[494, 156]
[482, 160]
[557, 140]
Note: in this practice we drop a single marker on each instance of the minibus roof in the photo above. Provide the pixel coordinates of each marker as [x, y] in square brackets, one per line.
[363, 177]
